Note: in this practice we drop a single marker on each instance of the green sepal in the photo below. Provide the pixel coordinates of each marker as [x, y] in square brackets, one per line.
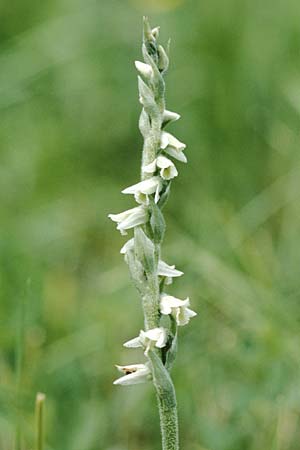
[157, 223]
[163, 59]
[172, 351]
[164, 196]
[136, 271]
[147, 98]
[144, 124]
[144, 250]
[162, 381]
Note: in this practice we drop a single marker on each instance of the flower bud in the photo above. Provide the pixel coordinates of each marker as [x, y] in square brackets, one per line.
[163, 59]
[144, 69]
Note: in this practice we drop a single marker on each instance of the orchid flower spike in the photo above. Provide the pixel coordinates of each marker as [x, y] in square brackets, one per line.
[156, 337]
[142, 252]
[134, 374]
[177, 308]
[130, 218]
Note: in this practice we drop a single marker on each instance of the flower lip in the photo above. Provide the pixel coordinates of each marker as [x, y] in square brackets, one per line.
[134, 374]
[165, 270]
[172, 146]
[155, 337]
[166, 166]
[179, 310]
[130, 218]
[147, 187]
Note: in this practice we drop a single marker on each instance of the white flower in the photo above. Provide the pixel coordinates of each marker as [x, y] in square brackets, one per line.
[170, 116]
[164, 270]
[168, 169]
[155, 32]
[177, 308]
[130, 218]
[156, 337]
[144, 188]
[129, 245]
[173, 146]
[144, 69]
[134, 374]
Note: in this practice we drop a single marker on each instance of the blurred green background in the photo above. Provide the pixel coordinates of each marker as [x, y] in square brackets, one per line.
[69, 143]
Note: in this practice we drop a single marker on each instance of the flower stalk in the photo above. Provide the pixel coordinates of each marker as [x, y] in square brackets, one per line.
[150, 274]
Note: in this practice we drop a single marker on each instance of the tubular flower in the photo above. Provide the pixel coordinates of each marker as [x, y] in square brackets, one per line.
[177, 308]
[166, 166]
[144, 188]
[134, 374]
[144, 69]
[172, 146]
[130, 218]
[156, 337]
[169, 116]
[169, 272]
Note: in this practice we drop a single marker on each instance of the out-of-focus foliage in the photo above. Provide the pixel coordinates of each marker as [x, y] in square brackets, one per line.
[69, 143]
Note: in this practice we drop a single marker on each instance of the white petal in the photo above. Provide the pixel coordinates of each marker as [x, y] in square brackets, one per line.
[130, 368]
[158, 189]
[150, 168]
[122, 216]
[138, 216]
[158, 335]
[127, 246]
[183, 316]
[164, 270]
[179, 155]
[162, 340]
[140, 375]
[133, 343]
[173, 302]
[141, 198]
[169, 173]
[144, 69]
[167, 139]
[163, 162]
[146, 187]
[164, 140]
[165, 308]
[170, 116]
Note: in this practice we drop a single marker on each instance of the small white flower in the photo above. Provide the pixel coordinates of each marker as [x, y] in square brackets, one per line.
[164, 270]
[155, 32]
[144, 188]
[156, 337]
[177, 308]
[144, 69]
[172, 146]
[170, 116]
[166, 166]
[129, 245]
[134, 374]
[130, 218]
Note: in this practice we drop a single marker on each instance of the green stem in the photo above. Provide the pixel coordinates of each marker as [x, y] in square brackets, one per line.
[166, 399]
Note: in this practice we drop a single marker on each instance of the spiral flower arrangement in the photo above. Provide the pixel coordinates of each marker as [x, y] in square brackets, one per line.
[163, 313]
